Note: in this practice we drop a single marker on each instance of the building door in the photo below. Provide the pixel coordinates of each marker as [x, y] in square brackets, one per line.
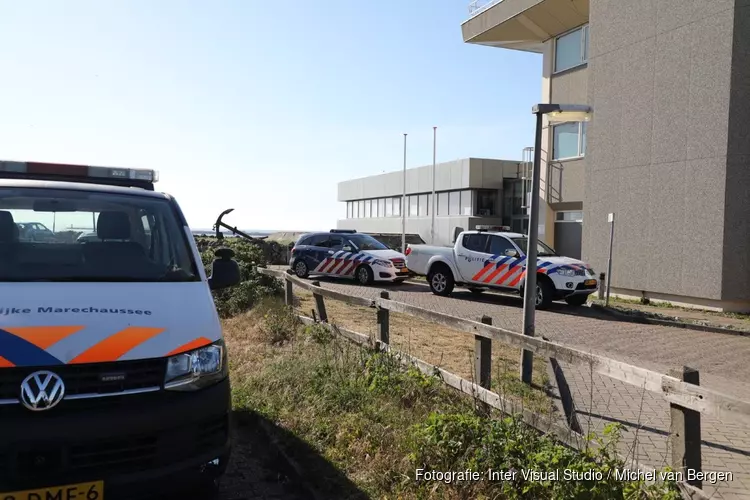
[569, 233]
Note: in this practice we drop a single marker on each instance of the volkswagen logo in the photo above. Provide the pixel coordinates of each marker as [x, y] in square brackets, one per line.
[42, 390]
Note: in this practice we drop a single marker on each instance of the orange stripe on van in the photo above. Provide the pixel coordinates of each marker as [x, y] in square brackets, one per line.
[193, 344]
[4, 363]
[43, 336]
[113, 347]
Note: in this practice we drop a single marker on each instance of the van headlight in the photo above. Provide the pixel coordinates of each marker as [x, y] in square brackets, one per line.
[566, 272]
[196, 369]
[384, 263]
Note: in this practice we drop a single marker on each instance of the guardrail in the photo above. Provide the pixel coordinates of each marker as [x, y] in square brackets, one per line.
[688, 400]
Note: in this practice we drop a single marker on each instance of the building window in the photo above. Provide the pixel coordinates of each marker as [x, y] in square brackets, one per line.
[381, 207]
[361, 208]
[389, 207]
[423, 206]
[413, 205]
[348, 209]
[454, 203]
[467, 203]
[442, 204]
[569, 216]
[368, 208]
[486, 202]
[568, 140]
[572, 49]
[397, 207]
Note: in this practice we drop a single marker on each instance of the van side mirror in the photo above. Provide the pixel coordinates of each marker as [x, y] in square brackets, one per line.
[348, 248]
[511, 253]
[225, 271]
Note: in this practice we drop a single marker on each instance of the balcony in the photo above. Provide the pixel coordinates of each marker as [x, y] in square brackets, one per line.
[522, 24]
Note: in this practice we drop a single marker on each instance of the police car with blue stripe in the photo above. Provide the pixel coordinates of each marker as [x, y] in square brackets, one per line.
[493, 257]
[349, 254]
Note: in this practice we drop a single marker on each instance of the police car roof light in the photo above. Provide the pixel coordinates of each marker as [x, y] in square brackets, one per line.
[343, 231]
[498, 229]
[52, 171]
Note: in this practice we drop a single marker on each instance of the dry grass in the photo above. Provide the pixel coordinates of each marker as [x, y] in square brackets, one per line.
[450, 349]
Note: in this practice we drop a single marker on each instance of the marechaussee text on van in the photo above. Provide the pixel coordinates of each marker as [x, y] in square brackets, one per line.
[113, 370]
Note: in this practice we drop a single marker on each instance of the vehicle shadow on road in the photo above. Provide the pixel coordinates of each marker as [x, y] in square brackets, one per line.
[291, 468]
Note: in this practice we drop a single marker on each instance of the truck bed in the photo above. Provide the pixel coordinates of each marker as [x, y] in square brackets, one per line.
[418, 260]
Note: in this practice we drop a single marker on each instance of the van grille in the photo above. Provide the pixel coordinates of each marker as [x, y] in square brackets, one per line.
[93, 379]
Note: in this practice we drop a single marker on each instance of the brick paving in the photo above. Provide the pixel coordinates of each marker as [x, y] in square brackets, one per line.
[722, 359]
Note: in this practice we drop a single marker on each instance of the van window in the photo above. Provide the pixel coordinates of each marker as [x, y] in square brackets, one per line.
[68, 235]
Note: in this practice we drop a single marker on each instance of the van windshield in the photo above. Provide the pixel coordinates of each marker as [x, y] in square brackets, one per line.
[89, 236]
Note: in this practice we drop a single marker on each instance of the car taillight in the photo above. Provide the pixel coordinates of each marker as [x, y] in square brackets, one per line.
[408, 251]
[293, 250]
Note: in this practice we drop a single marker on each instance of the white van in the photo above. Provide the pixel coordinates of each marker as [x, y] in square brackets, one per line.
[113, 369]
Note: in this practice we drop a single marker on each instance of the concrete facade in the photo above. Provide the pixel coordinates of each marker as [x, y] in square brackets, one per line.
[668, 148]
[469, 178]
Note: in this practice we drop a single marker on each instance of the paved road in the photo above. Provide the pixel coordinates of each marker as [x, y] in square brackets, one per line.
[722, 360]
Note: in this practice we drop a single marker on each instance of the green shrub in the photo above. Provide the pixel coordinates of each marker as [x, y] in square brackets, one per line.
[253, 286]
[279, 322]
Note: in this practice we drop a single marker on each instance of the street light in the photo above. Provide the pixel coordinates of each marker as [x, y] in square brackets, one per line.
[434, 203]
[403, 205]
[555, 113]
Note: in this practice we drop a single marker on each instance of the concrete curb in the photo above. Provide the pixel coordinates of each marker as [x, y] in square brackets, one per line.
[637, 318]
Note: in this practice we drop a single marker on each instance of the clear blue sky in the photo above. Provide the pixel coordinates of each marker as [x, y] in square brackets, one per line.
[262, 106]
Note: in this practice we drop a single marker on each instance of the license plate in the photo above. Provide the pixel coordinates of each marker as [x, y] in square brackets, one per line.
[81, 491]
[403, 270]
[589, 282]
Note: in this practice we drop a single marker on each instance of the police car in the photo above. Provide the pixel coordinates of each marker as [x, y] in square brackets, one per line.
[493, 257]
[346, 253]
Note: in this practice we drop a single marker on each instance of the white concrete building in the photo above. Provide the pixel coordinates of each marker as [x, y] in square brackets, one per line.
[469, 192]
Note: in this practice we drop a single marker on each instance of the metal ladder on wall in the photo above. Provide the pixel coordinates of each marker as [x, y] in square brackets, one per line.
[526, 173]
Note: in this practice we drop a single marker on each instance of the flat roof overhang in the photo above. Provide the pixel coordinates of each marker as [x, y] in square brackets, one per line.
[524, 24]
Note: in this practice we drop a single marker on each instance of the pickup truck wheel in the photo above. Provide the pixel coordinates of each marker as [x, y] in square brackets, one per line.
[441, 280]
[576, 300]
[300, 269]
[364, 275]
[544, 292]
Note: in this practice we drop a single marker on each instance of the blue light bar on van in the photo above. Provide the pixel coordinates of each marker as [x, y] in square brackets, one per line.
[51, 171]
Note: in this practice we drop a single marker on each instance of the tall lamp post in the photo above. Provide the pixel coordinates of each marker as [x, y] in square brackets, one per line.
[554, 113]
[434, 203]
[403, 205]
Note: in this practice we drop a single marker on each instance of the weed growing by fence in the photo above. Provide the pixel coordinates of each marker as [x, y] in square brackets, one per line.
[379, 423]
[253, 287]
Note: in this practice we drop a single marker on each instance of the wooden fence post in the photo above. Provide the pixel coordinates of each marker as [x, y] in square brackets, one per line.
[320, 305]
[383, 315]
[289, 295]
[602, 279]
[483, 357]
[685, 432]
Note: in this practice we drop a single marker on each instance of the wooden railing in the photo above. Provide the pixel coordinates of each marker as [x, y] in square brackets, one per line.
[688, 400]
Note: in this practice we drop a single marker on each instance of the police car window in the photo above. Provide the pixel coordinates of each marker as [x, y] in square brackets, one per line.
[319, 240]
[67, 235]
[542, 250]
[336, 242]
[365, 242]
[498, 245]
[475, 242]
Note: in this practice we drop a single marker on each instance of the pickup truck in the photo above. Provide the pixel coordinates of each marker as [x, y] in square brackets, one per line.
[495, 259]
